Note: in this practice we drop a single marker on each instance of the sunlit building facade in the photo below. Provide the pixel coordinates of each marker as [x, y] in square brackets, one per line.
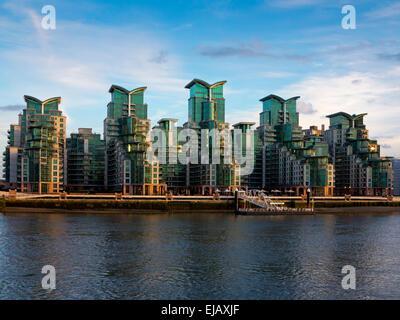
[173, 173]
[396, 176]
[206, 113]
[85, 162]
[127, 138]
[35, 154]
[291, 161]
[359, 168]
[284, 158]
[252, 153]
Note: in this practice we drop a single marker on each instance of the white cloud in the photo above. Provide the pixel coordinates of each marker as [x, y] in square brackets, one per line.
[248, 115]
[305, 107]
[79, 62]
[86, 57]
[355, 92]
[388, 11]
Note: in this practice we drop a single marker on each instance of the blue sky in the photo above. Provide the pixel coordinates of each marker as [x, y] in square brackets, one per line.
[289, 48]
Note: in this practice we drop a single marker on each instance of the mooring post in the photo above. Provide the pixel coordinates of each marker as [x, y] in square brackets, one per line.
[236, 201]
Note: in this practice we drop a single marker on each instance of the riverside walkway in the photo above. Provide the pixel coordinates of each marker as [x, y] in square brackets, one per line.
[110, 196]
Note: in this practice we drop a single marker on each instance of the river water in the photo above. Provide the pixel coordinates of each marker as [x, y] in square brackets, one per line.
[199, 256]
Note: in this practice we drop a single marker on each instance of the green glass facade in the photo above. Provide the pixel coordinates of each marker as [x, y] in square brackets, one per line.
[360, 170]
[85, 162]
[206, 111]
[254, 179]
[12, 157]
[206, 103]
[290, 160]
[126, 132]
[285, 158]
[172, 172]
[36, 147]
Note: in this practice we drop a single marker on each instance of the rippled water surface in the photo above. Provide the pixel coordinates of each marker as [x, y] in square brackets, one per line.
[199, 256]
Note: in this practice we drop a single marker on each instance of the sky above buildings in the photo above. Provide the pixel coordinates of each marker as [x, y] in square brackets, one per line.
[285, 47]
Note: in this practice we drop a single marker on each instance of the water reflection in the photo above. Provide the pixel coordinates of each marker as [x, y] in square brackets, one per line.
[199, 256]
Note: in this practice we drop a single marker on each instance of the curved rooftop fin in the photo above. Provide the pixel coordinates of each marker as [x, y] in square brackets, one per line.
[114, 86]
[219, 83]
[358, 116]
[280, 99]
[341, 113]
[194, 81]
[26, 98]
[138, 90]
[58, 99]
[204, 83]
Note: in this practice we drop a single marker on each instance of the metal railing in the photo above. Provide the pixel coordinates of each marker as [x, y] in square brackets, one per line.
[260, 199]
